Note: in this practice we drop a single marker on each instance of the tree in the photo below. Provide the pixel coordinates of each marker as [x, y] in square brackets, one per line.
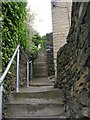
[37, 39]
[31, 48]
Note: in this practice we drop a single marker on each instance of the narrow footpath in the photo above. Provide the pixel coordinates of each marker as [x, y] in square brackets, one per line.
[40, 100]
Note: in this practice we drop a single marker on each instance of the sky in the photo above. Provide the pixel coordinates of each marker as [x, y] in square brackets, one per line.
[43, 19]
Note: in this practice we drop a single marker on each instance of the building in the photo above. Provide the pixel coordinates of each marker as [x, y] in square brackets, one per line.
[61, 19]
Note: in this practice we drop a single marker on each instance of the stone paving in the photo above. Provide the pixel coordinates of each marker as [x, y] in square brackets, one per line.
[40, 100]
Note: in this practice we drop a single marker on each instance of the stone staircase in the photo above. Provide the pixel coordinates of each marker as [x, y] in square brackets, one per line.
[40, 100]
[40, 65]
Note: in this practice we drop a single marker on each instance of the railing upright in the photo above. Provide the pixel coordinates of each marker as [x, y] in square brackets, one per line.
[27, 74]
[17, 52]
[17, 80]
[31, 71]
[1, 89]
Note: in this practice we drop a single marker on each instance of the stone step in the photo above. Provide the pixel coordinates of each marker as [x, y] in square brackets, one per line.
[60, 117]
[40, 64]
[41, 82]
[41, 59]
[40, 67]
[44, 68]
[34, 110]
[40, 74]
[41, 89]
[45, 94]
[36, 101]
[40, 70]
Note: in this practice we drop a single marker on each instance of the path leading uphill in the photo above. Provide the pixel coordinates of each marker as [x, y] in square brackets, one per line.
[40, 100]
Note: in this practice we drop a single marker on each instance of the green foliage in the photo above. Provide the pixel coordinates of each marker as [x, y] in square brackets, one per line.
[32, 51]
[17, 29]
[0, 39]
[37, 39]
[43, 41]
[13, 33]
[14, 28]
[31, 48]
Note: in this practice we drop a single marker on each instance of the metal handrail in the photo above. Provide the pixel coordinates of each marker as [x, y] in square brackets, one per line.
[8, 66]
[17, 52]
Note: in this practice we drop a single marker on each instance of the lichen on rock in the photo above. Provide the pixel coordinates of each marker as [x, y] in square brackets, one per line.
[73, 63]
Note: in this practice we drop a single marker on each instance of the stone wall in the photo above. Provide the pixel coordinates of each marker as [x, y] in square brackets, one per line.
[73, 63]
[49, 51]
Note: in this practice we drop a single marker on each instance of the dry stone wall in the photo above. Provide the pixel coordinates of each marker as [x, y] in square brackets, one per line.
[73, 63]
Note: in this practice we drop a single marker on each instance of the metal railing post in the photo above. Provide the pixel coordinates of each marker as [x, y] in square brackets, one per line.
[17, 81]
[31, 72]
[1, 90]
[16, 52]
[27, 74]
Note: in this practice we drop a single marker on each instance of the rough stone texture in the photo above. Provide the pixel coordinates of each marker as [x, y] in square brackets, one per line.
[73, 63]
[49, 52]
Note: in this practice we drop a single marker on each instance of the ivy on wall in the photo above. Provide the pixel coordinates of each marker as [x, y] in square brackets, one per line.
[14, 28]
[14, 32]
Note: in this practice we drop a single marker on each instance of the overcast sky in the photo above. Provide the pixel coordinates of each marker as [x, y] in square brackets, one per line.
[42, 11]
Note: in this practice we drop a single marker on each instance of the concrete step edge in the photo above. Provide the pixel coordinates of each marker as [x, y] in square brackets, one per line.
[58, 117]
[28, 92]
[41, 84]
[35, 104]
